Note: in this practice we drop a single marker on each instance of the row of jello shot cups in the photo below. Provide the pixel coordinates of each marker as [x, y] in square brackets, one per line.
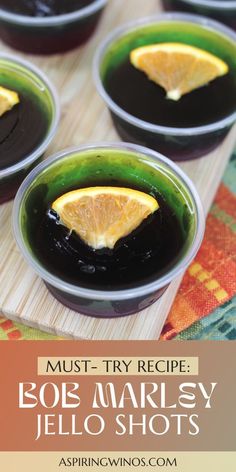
[45, 35]
[137, 163]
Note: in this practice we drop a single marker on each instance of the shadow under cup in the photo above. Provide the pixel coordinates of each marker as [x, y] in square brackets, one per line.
[135, 167]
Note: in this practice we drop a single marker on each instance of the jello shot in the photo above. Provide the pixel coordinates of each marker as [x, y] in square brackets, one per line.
[169, 83]
[48, 26]
[221, 10]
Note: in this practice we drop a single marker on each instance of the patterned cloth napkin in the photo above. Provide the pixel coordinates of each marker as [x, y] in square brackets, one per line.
[205, 306]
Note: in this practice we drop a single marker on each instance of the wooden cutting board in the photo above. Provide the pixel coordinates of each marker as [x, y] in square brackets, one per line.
[85, 119]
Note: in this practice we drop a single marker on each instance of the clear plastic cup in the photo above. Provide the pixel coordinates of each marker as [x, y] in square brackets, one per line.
[221, 10]
[178, 143]
[25, 77]
[50, 35]
[70, 169]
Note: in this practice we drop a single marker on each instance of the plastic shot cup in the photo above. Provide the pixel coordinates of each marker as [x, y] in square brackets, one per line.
[178, 143]
[126, 162]
[221, 10]
[52, 34]
[23, 77]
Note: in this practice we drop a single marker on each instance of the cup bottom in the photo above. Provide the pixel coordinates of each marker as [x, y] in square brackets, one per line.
[105, 308]
[8, 190]
[177, 148]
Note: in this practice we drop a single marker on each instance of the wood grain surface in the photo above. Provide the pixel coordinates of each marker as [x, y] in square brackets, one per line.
[85, 119]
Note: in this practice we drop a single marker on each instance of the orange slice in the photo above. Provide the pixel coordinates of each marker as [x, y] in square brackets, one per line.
[178, 68]
[8, 99]
[103, 215]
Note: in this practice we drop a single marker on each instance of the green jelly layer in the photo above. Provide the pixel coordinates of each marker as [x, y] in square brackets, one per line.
[95, 166]
[174, 31]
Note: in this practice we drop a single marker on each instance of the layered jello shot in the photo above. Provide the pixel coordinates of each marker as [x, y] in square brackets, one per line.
[48, 26]
[221, 10]
[108, 226]
[169, 83]
[29, 114]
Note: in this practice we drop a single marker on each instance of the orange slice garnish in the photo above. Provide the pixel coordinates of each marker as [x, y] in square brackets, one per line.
[8, 99]
[103, 215]
[178, 68]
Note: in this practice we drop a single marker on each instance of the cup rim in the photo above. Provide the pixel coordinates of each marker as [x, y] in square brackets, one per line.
[213, 4]
[53, 20]
[148, 126]
[129, 293]
[23, 163]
